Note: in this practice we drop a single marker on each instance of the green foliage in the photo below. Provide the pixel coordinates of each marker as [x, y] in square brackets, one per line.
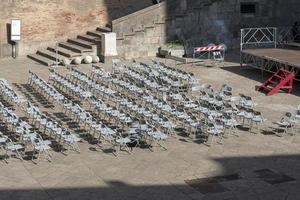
[175, 44]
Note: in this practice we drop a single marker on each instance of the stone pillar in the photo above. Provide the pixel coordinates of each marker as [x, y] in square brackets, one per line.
[108, 47]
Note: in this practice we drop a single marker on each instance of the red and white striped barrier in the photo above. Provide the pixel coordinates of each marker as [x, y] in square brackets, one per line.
[210, 48]
[210, 52]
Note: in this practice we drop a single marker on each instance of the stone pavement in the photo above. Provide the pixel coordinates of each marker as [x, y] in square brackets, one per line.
[251, 166]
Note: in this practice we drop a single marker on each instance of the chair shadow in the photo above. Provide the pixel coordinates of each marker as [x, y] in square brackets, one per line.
[33, 96]
[73, 99]
[6, 103]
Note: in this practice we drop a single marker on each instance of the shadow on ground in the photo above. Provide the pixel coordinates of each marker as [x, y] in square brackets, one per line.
[267, 177]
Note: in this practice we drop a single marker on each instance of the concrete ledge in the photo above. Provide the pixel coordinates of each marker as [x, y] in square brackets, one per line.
[107, 59]
[179, 59]
[140, 12]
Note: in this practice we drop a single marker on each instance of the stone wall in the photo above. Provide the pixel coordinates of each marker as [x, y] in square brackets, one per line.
[44, 22]
[197, 23]
[140, 34]
[219, 21]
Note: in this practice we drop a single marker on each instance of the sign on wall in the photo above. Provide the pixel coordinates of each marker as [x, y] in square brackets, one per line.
[15, 30]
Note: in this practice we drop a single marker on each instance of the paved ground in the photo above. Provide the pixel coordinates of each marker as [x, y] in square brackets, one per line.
[251, 166]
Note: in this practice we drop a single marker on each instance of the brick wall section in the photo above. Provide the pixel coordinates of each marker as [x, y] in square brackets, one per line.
[44, 21]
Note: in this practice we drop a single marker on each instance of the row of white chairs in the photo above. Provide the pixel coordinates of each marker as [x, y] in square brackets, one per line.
[26, 136]
[157, 137]
[52, 128]
[44, 88]
[99, 72]
[172, 73]
[289, 123]
[9, 94]
[106, 109]
[96, 128]
[159, 76]
[145, 113]
[78, 77]
[91, 85]
[149, 82]
[162, 68]
[64, 84]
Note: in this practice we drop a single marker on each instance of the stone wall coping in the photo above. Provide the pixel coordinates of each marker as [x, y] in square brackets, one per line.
[140, 12]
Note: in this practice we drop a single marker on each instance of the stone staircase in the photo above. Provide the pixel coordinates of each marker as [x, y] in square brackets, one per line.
[80, 46]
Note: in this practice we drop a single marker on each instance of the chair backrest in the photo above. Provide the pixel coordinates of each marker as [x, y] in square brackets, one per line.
[288, 115]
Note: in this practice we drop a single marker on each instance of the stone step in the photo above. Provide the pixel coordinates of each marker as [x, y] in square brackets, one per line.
[41, 59]
[104, 29]
[82, 43]
[64, 52]
[50, 55]
[88, 38]
[73, 47]
[95, 33]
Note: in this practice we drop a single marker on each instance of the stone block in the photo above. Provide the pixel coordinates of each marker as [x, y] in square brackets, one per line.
[109, 44]
[150, 32]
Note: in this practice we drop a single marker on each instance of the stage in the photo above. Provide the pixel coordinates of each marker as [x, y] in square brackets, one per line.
[260, 49]
[272, 59]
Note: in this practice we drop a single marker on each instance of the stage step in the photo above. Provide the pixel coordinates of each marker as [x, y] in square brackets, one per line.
[73, 47]
[42, 60]
[82, 43]
[64, 52]
[271, 86]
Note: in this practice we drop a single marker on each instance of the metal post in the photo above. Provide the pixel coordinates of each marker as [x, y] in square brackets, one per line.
[241, 49]
[56, 55]
[275, 37]
[14, 51]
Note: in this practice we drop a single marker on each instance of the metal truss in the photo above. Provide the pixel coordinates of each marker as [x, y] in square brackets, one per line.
[287, 35]
[258, 37]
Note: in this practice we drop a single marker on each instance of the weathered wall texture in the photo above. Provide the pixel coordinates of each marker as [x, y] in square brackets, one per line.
[140, 34]
[44, 21]
[219, 21]
[198, 23]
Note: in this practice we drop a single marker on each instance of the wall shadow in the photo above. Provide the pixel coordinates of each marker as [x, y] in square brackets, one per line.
[116, 8]
[260, 177]
[8, 33]
[202, 22]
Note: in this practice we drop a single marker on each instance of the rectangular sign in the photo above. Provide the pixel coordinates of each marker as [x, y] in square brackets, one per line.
[15, 30]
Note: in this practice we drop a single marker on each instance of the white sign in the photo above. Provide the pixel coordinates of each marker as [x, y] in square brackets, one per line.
[15, 30]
